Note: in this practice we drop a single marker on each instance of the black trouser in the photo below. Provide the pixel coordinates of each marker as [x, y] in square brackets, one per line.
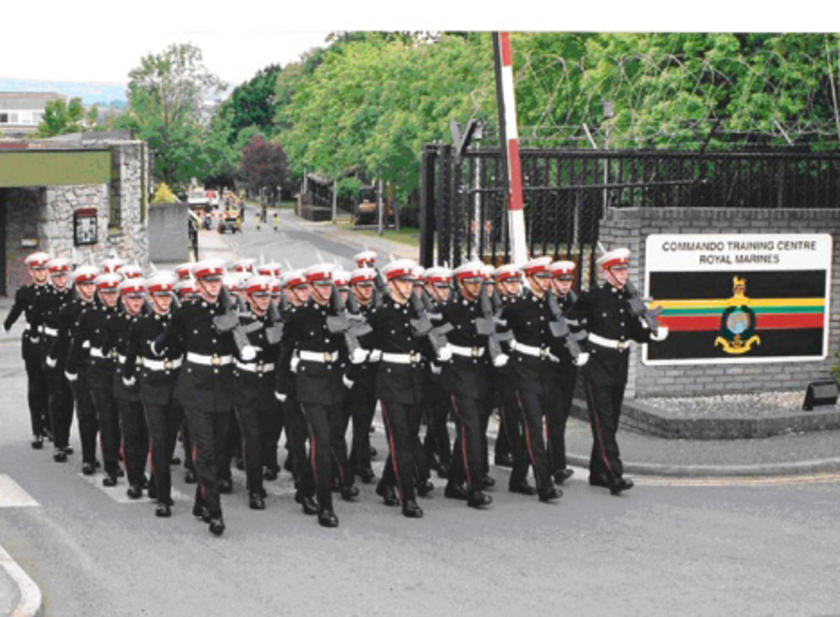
[271, 426]
[163, 422]
[109, 427]
[468, 449]
[513, 429]
[604, 400]
[362, 403]
[85, 418]
[402, 421]
[208, 431]
[530, 406]
[436, 441]
[135, 440]
[557, 413]
[187, 444]
[248, 417]
[37, 391]
[296, 434]
[232, 447]
[319, 417]
[60, 405]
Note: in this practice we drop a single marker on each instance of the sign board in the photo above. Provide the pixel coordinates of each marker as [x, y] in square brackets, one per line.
[85, 230]
[739, 298]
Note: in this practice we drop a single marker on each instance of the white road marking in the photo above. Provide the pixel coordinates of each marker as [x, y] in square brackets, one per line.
[12, 495]
[118, 492]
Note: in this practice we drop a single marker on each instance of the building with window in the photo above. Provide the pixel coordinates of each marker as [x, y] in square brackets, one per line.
[73, 195]
[22, 112]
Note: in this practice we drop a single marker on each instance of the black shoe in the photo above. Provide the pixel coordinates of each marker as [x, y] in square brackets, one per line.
[200, 511]
[327, 518]
[424, 487]
[373, 453]
[309, 503]
[240, 463]
[88, 469]
[109, 480]
[389, 496]
[367, 475]
[455, 491]
[487, 483]
[59, 455]
[256, 501]
[68, 450]
[190, 477]
[270, 473]
[621, 484]
[410, 509]
[225, 486]
[550, 494]
[504, 459]
[217, 525]
[134, 492]
[599, 480]
[562, 475]
[349, 493]
[120, 472]
[176, 460]
[37, 442]
[479, 500]
[523, 488]
[443, 470]
[163, 510]
[151, 490]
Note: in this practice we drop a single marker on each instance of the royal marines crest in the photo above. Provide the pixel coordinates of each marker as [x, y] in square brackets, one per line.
[737, 323]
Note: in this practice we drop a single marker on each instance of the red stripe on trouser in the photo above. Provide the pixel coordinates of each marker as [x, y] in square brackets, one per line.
[527, 435]
[463, 443]
[394, 463]
[598, 430]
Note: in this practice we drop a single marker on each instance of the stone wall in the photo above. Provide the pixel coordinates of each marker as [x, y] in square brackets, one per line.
[168, 233]
[630, 227]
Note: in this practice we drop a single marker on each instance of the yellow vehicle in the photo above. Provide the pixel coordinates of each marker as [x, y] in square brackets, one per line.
[230, 221]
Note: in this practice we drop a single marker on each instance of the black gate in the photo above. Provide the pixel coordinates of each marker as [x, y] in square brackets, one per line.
[566, 192]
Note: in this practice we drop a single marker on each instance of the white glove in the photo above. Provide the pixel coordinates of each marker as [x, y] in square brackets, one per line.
[70, 376]
[644, 323]
[248, 353]
[128, 383]
[660, 335]
[347, 383]
[582, 359]
[500, 360]
[293, 364]
[437, 369]
[51, 362]
[444, 354]
[358, 356]
[280, 397]
[552, 357]
[375, 355]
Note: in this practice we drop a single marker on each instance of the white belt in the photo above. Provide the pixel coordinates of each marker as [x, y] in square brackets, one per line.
[255, 367]
[96, 352]
[49, 331]
[608, 342]
[530, 350]
[401, 358]
[323, 357]
[161, 365]
[214, 360]
[467, 352]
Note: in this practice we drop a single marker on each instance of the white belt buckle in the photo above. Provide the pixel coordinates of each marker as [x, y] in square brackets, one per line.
[622, 345]
[167, 364]
[215, 360]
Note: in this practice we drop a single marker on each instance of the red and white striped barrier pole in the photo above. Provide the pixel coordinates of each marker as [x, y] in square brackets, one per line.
[509, 135]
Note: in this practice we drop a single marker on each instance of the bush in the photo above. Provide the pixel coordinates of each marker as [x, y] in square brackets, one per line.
[163, 195]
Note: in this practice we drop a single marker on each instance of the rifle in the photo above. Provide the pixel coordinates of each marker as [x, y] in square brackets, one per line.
[486, 325]
[274, 332]
[229, 322]
[422, 325]
[640, 309]
[350, 326]
[560, 329]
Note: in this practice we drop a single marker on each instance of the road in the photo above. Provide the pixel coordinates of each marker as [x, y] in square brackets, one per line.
[664, 548]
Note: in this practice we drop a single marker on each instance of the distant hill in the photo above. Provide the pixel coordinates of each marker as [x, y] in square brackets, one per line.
[103, 94]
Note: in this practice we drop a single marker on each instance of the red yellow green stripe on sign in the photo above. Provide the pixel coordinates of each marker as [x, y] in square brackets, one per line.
[770, 313]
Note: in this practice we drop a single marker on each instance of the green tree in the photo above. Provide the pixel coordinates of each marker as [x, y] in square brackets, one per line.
[61, 118]
[165, 95]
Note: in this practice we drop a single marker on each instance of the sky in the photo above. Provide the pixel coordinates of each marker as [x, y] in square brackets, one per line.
[101, 41]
